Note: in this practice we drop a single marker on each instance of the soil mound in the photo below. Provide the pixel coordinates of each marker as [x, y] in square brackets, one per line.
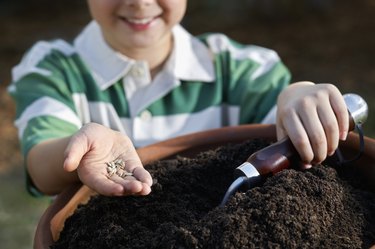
[323, 207]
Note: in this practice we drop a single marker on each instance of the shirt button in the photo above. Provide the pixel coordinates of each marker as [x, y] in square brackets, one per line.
[146, 116]
[137, 71]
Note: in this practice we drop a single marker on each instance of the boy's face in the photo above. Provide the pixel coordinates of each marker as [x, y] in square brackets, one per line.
[128, 25]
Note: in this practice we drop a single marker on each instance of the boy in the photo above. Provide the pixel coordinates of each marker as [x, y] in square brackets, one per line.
[134, 77]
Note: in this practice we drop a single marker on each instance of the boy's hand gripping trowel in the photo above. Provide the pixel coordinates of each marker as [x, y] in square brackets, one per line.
[280, 155]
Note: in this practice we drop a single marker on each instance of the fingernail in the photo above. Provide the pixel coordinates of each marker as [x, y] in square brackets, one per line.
[306, 165]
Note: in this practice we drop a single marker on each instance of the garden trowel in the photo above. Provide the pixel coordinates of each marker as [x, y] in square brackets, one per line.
[280, 155]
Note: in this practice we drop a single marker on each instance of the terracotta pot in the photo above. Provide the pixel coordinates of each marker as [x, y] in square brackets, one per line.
[53, 219]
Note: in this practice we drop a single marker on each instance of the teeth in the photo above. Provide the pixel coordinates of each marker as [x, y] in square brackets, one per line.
[140, 21]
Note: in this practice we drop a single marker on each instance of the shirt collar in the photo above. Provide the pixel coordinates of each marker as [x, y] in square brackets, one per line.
[108, 66]
[193, 60]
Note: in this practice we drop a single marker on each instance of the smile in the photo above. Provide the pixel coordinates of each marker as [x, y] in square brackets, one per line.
[140, 24]
[140, 21]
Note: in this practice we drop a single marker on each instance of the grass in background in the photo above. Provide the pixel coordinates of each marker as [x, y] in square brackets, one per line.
[19, 212]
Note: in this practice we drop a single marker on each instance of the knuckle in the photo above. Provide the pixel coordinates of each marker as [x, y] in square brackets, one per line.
[331, 88]
[328, 87]
[304, 103]
[285, 114]
[324, 91]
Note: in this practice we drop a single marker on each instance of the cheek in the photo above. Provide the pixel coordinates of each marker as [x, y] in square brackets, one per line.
[174, 8]
[103, 10]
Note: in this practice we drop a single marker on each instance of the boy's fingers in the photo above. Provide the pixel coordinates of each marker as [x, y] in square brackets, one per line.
[142, 175]
[135, 166]
[280, 132]
[331, 128]
[341, 111]
[316, 134]
[104, 186]
[131, 186]
[305, 166]
[145, 190]
[74, 153]
[297, 134]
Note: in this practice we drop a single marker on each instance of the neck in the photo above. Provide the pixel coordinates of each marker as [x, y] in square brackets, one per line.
[155, 55]
[155, 58]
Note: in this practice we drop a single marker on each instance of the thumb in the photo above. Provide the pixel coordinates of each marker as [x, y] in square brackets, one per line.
[74, 152]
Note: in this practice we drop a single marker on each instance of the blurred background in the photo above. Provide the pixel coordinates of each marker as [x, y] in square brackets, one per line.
[319, 40]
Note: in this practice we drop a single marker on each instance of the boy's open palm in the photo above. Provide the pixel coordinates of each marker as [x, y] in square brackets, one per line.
[92, 148]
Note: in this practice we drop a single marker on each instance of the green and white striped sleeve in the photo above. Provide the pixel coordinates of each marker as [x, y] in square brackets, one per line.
[252, 76]
[44, 104]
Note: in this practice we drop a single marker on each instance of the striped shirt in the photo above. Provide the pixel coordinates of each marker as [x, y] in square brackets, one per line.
[209, 81]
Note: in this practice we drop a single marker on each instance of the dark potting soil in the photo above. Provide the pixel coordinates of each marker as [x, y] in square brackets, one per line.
[323, 207]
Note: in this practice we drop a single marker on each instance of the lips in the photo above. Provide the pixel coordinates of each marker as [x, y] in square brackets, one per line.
[139, 24]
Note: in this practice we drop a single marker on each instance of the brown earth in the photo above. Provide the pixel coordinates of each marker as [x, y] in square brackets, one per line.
[322, 207]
